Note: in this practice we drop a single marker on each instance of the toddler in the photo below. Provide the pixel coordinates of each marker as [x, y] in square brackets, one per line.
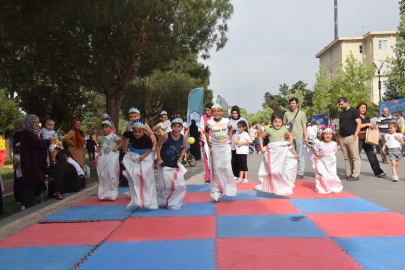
[394, 142]
[242, 150]
[47, 133]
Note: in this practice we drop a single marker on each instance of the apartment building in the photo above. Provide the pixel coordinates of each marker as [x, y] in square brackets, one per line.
[375, 46]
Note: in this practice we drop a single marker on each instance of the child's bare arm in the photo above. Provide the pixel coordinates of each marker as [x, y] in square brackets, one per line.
[157, 148]
[295, 153]
[15, 163]
[40, 132]
[183, 150]
[54, 137]
[399, 138]
[98, 149]
[262, 135]
[207, 137]
[290, 136]
[230, 136]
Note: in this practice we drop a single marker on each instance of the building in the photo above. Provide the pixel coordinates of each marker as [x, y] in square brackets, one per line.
[376, 46]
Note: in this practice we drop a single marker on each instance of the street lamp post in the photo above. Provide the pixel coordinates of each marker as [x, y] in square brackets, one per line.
[379, 78]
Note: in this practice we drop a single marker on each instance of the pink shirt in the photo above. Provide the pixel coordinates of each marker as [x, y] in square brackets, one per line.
[253, 132]
[326, 148]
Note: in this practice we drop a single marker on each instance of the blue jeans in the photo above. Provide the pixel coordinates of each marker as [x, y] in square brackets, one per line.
[256, 145]
[299, 148]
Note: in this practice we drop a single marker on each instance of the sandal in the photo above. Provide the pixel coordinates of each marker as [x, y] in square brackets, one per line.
[58, 196]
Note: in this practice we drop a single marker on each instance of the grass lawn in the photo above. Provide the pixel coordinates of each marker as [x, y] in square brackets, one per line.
[11, 207]
[7, 171]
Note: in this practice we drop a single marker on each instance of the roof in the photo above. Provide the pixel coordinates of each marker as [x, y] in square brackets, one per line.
[371, 33]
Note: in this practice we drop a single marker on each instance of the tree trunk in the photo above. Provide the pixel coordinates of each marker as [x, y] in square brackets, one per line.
[114, 102]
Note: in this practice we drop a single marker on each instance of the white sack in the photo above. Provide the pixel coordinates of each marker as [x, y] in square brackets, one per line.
[141, 181]
[108, 170]
[222, 180]
[278, 169]
[172, 187]
[326, 177]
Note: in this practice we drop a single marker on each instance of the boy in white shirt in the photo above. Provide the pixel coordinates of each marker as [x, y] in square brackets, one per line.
[221, 180]
[242, 150]
[394, 142]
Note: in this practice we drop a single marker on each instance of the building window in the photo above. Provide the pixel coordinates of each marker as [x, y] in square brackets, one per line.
[361, 49]
[330, 55]
[383, 44]
[384, 66]
[384, 85]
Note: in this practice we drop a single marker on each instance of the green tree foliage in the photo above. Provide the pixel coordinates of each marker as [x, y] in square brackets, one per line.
[262, 115]
[392, 92]
[103, 45]
[274, 101]
[351, 79]
[283, 89]
[308, 94]
[322, 92]
[167, 88]
[8, 112]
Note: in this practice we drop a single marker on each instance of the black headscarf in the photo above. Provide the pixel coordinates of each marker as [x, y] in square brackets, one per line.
[235, 108]
[195, 147]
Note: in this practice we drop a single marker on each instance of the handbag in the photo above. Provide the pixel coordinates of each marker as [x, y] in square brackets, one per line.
[372, 136]
[362, 135]
[290, 125]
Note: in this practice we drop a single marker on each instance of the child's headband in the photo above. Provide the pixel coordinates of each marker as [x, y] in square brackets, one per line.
[138, 124]
[106, 122]
[216, 106]
[163, 113]
[177, 120]
[134, 110]
[327, 129]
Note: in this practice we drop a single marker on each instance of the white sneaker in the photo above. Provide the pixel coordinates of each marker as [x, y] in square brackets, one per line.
[236, 178]
[395, 178]
[22, 208]
[244, 181]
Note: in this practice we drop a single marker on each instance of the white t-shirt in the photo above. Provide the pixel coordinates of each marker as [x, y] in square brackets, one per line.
[391, 141]
[18, 171]
[219, 130]
[312, 132]
[243, 149]
[77, 166]
[46, 134]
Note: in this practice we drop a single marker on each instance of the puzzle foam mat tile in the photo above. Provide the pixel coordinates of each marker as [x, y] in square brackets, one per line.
[186, 210]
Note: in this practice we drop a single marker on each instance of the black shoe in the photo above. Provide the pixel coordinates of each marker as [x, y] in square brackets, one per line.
[47, 166]
[300, 176]
[207, 181]
[381, 174]
[346, 177]
[353, 178]
[52, 163]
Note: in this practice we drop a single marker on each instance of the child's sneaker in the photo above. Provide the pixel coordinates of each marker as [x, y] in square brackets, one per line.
[395, 178]
[245, 181]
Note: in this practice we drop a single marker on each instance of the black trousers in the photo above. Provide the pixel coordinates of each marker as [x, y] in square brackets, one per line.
[56, 185]
[235, 164]
[242, 158]
[91, 154]
[82, 180]
[372, 157]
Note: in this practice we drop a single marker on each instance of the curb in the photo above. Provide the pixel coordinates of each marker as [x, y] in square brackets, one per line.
[56, 206]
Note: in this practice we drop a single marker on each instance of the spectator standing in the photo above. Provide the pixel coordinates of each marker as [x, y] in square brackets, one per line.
[253, 136]
[382, 127]
[74, 139]
[262, 126]
[91, 148]
[349, 128]
[400, 120]
[368, 148]
[296, 123]
[374, 122]
[234, 119]
[312, 131]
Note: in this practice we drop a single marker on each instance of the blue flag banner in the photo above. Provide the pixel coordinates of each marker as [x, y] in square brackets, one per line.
[394, 106]
[195, 105]
[323, 119]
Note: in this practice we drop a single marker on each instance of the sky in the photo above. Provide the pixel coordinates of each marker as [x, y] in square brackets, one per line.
[275, 42]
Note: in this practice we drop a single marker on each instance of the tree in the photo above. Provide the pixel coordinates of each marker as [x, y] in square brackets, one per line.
[104, 48]
[322, 91]
[283, 89]
[274, 101]
[262, 115]
[308, 94]
[392, 92]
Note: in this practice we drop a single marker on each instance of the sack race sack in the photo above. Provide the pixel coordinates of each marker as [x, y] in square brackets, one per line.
[372, 136]
[222, 181]
[108, 170]
[141, 181]
[172, 187]
[326, 177]
[278, 169]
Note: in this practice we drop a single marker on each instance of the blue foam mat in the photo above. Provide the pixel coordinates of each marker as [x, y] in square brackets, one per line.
[376, 252]
[198, 188]
[91, 213]
[186, 210]
[179, 254]
[250, 195]
[338, 205]
[121, 191]
[58, 257]
[291, 225]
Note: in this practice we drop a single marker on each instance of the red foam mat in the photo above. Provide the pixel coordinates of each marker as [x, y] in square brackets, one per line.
[94, 200]
[259, 207]
[165, 228]
[196, 197]
[282, 253]
[310, 193]
[61, 234]
[360, 224]
[304, 184]
[246, 186]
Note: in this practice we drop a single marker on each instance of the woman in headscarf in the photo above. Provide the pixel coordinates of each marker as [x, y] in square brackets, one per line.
[195, 147]
[18, 128]
[33, 163]
[74, 139]
[234, 119]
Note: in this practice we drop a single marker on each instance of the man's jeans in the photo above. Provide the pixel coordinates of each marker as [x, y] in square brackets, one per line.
[299, 148]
